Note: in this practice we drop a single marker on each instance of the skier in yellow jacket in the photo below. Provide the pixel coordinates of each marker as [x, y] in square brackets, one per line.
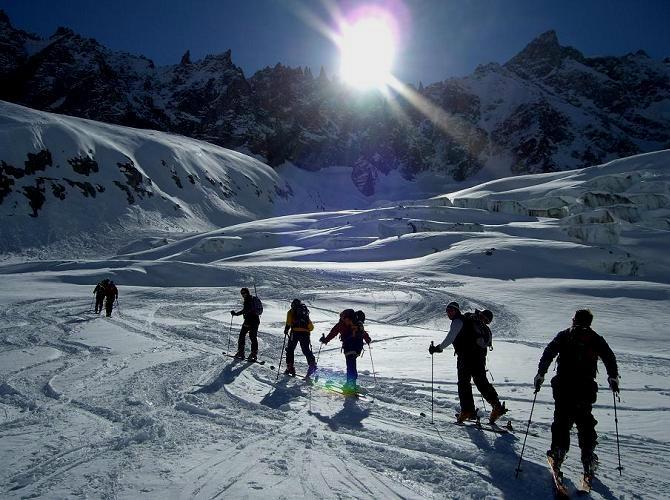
[299, 325]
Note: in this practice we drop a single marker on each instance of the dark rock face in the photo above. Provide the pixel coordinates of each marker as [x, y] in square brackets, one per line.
[547, 108]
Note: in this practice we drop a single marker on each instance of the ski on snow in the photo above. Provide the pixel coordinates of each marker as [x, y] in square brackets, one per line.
[246, 360]
[484, 426]
[560, 489]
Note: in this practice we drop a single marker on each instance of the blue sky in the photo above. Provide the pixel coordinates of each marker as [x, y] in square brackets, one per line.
[440, 38]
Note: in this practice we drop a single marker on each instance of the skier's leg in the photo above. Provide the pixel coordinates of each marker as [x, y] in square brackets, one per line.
[563, 421]
[290, 349]
[253, 336]
[480, 379]
[306, 348]
[241, 340]
[464, 385]
[587, 436]
[109, 305]
[352, 373]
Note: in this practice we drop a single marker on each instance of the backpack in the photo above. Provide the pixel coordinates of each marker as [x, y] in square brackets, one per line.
[301, 316]
[256, 306]
[474, 331]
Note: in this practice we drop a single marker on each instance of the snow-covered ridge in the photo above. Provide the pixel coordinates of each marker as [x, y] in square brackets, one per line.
[62, 176]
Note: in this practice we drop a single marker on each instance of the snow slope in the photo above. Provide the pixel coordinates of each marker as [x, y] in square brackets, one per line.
[143, 403]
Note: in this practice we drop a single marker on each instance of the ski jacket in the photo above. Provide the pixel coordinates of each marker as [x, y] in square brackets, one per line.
[111, 292]
[247, 311]
[290, 324]
[99, 289]
[578, 349]
[352, 338]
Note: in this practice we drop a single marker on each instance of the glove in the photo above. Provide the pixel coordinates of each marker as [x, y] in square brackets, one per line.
[614, 383]
[323, 340]
[232, 313]
[434, 348]
[538, 381]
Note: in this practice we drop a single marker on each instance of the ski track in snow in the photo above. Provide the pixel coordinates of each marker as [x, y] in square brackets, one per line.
[145, 402]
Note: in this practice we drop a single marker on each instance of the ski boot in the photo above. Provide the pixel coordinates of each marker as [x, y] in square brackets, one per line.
[290, 370]
[252, 357]
[498, 411]
[311, 370]
[239, 355]
[466, 415]
[590, 466]
[555, 459]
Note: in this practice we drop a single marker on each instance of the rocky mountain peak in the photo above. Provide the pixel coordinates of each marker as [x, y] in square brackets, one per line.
[4, 19]
[186, 58]
[61, 32]
[541, 56]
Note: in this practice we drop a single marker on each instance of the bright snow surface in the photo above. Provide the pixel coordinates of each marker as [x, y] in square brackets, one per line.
[144, 404]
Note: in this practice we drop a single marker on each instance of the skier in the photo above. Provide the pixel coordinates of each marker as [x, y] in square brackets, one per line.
[352, 333]
[471, 337]
[252, 321]
[111, 294]
[99, 292]
[575, 389]
[299, 325]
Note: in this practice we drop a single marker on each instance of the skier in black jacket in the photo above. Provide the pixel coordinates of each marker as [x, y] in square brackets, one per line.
[575, 389]
[250, 325]
[471, 337]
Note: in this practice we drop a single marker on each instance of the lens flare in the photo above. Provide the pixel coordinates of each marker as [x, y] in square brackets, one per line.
[367, 49]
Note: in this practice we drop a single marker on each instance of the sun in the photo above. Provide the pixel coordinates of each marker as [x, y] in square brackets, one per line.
[367, 49]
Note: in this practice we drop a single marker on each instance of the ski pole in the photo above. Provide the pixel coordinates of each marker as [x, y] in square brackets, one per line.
[91, 306]
[230, 332]
[280, 358]
[374, 374]
[518, 467]
[432, 369]
[118, 305]
[616, 427]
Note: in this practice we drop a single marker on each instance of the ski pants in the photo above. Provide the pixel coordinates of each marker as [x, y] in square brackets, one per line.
[252, 329]
[352, 372]
[99, 300]
[109, 305]
[303, 339]
[471, 365]
[573, 404]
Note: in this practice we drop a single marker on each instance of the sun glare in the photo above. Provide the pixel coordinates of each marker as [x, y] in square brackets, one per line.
[367, 48]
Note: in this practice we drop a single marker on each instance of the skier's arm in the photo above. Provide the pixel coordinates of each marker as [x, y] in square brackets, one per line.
[454, 330]
[289, 321]
[366, 337]
[550, 352]
[333, 332]
[607, 355]
[310, 325]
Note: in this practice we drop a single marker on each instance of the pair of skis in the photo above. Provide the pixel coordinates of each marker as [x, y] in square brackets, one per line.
[560, 487]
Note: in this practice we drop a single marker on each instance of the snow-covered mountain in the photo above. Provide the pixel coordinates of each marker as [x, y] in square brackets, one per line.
[548, 108]
[63, 177]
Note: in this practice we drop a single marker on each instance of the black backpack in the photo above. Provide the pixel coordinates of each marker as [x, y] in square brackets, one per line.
[300, 316]
[475, 330]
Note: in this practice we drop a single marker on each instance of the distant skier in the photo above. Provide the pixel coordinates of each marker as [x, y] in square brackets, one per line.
[575, 389]
[111, 295]
[99, 292]
[251, 311]
[299, 326]
[352, 333]
[471, 338]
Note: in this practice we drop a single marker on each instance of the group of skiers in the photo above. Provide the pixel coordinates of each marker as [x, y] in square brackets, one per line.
[574, 387]
[107, 293]
[297, 328]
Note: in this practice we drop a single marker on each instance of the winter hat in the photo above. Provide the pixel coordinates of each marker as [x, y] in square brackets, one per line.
[360, 316]
[295, 303]
[348, 313]
[244, 291]
[454, 305]
[487, 314]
